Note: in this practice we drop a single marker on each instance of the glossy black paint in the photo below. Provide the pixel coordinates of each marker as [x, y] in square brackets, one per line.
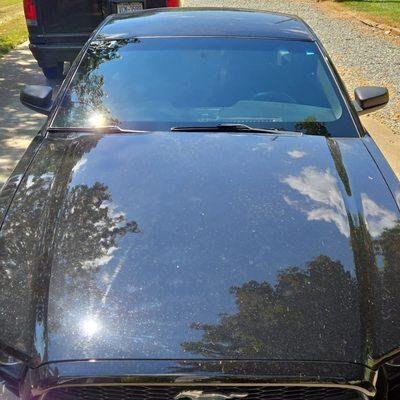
[280, 257]
[369, 97]
[37, 98]
[8, 190]
[206, 22]
[199, 258]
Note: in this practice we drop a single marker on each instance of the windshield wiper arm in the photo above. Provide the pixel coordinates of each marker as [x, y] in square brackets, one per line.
[100, 129]
[232, 128]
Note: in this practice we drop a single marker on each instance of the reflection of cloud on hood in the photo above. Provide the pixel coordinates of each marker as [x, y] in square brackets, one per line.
[265, 146]
[322, 188]
[290, 202]
[30, 181]
[99, 261]
[43, 180]
[79, 165]
[376, 217]
[397, 197]
[113, 212]
[296, 153]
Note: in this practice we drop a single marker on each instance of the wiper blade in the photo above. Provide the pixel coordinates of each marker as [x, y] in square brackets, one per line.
[232, 128]
[100, 129]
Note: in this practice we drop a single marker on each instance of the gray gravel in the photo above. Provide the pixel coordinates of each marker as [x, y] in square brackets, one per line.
[362, 55]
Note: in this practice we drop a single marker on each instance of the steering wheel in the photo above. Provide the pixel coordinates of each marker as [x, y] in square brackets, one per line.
[274, 96]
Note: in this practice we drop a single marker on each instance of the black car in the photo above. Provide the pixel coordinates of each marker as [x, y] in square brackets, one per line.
[59, 28]
[202, 217]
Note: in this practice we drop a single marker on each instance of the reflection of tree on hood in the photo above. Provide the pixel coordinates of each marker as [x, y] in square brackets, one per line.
[388, 246]
[315, 312]
[92, 225]
[29, 239]
[314, 305]
[333, 201]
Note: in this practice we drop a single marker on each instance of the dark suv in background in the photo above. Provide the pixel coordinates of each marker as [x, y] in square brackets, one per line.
[58, 28]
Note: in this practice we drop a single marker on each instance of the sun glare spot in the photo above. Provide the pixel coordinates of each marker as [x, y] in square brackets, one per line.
[97, 120]
[90, 326]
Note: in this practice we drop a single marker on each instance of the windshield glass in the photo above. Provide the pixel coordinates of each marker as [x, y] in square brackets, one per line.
[160, 83]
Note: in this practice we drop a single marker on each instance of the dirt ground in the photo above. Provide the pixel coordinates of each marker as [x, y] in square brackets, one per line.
[387, 141]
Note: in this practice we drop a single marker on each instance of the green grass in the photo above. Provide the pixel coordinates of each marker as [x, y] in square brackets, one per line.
[384, 11]
[12, 25]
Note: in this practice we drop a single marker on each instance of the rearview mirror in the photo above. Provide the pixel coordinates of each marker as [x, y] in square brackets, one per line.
[370, 98]
[37, 98]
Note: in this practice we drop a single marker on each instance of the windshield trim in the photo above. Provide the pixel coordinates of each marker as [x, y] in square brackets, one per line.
[124, 36]
[341, 88]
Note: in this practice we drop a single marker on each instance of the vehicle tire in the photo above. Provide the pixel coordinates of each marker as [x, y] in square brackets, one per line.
[54, 72]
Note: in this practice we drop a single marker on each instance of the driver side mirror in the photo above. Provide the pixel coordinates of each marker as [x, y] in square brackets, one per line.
[370, 98]
[37, 98]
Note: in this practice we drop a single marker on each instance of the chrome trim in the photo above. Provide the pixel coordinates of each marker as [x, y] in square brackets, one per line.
[361, 388]
[201, 395]
[387, 357]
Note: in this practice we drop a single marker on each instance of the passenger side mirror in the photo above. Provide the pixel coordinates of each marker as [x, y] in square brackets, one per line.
[37, 98]
[370, 98]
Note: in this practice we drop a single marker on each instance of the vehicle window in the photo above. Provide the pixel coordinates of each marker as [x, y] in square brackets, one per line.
[159, 83]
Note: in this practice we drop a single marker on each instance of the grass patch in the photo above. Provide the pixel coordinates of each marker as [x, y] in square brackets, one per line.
[384, 11]
[12, 25]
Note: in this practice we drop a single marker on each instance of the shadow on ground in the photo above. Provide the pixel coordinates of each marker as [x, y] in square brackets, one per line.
[17, 123]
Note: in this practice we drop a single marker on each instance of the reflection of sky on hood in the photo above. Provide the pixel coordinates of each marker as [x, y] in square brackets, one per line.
[211, 216]
[296, 153]
[325, 201]
[80, 164]
[378, 218]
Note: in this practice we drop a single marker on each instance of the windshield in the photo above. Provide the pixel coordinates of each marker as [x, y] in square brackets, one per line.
[161, 83]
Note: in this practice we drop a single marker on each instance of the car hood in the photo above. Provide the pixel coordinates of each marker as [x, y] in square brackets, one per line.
[194, 246]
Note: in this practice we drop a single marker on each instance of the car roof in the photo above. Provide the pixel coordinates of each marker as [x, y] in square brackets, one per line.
[226, 22]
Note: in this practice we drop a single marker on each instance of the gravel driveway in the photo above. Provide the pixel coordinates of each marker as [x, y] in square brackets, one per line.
[362, 56]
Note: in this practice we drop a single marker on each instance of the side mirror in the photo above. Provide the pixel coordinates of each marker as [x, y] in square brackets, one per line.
[370, 98]
[37, 98]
